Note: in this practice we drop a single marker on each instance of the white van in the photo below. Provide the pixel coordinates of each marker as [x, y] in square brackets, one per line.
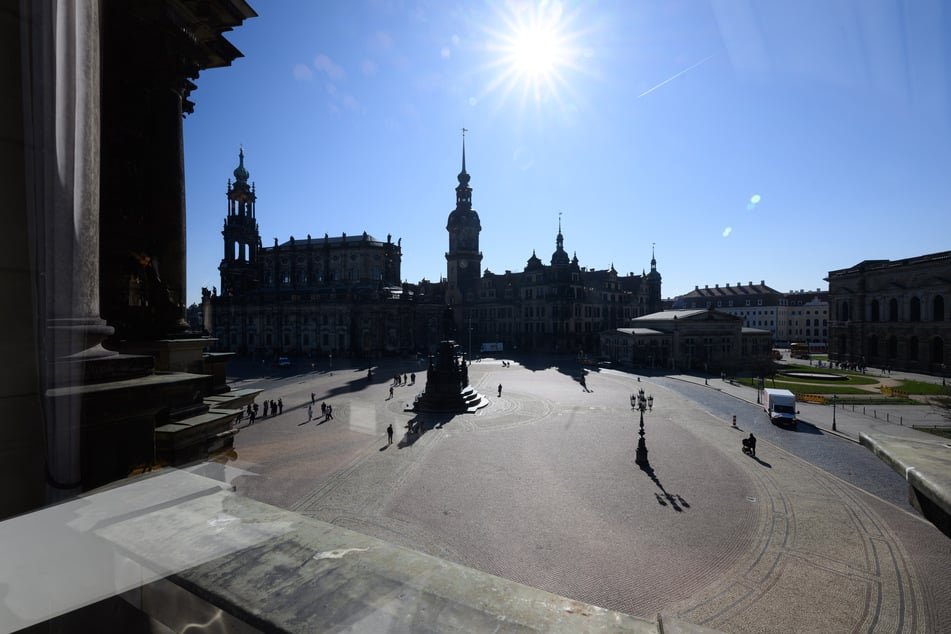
[780, 406]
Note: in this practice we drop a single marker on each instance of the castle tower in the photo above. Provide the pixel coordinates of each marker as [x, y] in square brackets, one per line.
[463, 260]
[242, 240]
[560, 256]
[654, 304]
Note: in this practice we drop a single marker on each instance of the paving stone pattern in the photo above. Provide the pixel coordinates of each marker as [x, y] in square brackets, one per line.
[541, 487]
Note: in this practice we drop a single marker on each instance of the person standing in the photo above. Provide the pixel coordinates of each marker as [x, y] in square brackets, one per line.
[280, 406]
[389, 434]
[310, 413]
[752, 444]
[500, 389]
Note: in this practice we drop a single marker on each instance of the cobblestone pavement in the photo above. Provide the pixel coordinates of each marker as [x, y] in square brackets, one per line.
[541, 487]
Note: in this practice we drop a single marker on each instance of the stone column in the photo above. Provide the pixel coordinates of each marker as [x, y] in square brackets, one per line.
[62, 137]
[168, 217]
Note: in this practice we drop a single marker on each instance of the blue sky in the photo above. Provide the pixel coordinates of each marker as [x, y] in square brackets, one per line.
[748, 141]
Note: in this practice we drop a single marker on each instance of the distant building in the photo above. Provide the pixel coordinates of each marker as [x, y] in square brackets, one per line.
[758, 304]
[342, 295]
[706, 340]
[555, 307]
[794, 316]
[892, 314]
[803, 317]
[331, 295]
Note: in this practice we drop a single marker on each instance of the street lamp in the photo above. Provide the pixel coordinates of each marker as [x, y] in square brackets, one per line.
[833, 412]
[640, 404]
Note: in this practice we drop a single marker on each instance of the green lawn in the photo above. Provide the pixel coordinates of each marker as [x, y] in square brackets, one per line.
[851, 389]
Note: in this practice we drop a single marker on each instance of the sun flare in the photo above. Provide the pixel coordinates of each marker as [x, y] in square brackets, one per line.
[535, 50]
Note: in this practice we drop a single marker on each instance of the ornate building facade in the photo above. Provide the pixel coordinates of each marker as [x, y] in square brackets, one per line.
[331, 295]
[342, 295]
[893, 314]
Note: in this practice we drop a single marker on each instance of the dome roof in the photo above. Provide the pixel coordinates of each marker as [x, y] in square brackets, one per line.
[240, 173]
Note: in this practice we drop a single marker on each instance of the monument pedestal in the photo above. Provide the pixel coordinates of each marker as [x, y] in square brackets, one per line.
[447, 384]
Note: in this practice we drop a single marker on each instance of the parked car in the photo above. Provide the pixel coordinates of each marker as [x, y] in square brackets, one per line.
[283, 362]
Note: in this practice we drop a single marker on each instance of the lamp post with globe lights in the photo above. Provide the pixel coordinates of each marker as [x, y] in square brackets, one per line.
[639, 403]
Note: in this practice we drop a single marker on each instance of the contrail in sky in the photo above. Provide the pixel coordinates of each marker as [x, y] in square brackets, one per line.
[673, 77]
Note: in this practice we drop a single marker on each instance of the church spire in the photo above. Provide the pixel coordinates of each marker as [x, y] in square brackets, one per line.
[464, 150]
[463, 191]
[559, 257]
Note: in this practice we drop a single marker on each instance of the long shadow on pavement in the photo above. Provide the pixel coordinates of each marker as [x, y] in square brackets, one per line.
[420, 424]
[676, 501]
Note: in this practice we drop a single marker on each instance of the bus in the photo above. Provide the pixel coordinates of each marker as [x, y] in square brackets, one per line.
[806, 350]
[799, 350]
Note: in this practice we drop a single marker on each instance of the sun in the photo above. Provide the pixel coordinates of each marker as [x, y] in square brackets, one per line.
[534, 52]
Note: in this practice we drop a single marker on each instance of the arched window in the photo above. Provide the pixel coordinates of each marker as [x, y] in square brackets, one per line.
[915, 309]
[893, 310]
[874, 311]
[937, 309]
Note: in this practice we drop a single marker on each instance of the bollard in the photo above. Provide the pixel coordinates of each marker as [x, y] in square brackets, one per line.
[734, 420]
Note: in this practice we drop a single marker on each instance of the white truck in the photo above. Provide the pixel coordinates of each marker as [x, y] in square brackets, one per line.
[780, 406]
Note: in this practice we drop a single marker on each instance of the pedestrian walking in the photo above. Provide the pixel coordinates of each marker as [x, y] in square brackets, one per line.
[391, 391]
[323, 409]
[500, 389]
[330, 412]
[389, 434]
[254, 413]
[310, 413]
[312, 399]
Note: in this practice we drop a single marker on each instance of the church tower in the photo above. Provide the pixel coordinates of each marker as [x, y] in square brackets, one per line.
[463, 260]
[242, 240]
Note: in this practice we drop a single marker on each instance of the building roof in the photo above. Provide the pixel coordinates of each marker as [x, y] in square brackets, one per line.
[737, 290]
[871, 265]
[670, 315]
[353, 240]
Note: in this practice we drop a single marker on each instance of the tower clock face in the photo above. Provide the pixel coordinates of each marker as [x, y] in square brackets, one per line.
[463, 264]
